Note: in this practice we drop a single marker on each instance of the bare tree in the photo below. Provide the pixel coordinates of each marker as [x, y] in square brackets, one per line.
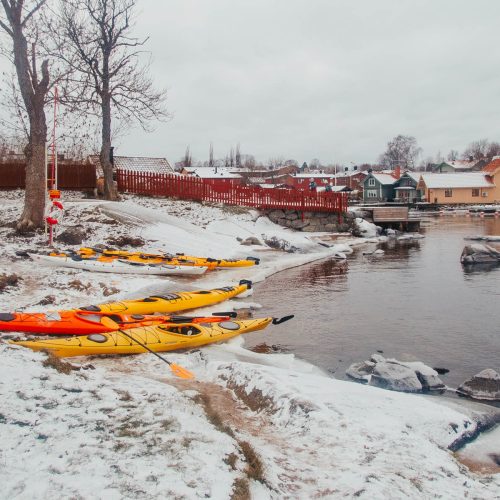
[401, 151]
[105, 57]
[476, 150]
[276, 162]
[493, 149]
[453, 155]
[237, 157]
[231, 158]
[187, 161]
[19, 21]
[211, 162]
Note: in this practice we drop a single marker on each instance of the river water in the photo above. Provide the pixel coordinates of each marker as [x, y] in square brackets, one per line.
[416, 302]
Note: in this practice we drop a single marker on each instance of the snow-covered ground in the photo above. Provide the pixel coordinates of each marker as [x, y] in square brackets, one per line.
[268, 425]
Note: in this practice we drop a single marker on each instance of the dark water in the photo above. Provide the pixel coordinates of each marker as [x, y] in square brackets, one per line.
[414, 303]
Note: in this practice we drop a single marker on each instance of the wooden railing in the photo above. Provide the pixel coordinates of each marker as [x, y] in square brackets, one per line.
[191, 188]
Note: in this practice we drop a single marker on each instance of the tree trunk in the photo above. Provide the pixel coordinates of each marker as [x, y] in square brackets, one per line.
[35, 191]
[110, 189]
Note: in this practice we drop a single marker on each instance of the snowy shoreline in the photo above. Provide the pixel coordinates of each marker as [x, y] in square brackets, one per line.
[128, 429]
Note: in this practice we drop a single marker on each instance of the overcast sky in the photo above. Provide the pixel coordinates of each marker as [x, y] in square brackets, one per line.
[327, 79]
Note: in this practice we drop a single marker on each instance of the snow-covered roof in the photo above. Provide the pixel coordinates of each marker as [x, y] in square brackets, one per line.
[384, 179]
[414, 175]
[461, 164]
[136, 163]
[463, 180]
[213, 173]
[314, 176]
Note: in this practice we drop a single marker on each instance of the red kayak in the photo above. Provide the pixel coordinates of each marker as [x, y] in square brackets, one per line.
[76, 322]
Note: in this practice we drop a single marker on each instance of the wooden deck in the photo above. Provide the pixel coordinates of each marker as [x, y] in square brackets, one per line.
[394, 217]
[390, 214]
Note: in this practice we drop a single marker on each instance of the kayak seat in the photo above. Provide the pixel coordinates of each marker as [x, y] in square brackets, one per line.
[7, 317]
[90, 308]
[168, 296]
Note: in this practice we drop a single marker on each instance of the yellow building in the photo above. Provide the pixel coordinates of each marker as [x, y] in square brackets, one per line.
[466, 188]
[492, 171]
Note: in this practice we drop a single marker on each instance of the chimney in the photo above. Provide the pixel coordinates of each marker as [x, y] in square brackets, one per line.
[471, 158]
[397, 172]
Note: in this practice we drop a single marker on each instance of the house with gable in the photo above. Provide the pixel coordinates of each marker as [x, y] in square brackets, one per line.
[459, 166]
[406, 188]
[378, 186]
[464, 188]
[492, 171]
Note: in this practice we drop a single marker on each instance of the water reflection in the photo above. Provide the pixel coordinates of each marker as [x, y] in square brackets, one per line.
[414, 302]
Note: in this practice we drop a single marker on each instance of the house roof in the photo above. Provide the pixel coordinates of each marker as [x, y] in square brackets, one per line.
[213, 173]
[314, 176]
[136, 163]
[463, 180]
[414, 175]
[384, 179]
[493, 165]
[460, 164]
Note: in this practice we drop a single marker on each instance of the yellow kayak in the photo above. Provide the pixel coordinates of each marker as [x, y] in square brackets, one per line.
[172, 302]
[159, 338]
[177, 259]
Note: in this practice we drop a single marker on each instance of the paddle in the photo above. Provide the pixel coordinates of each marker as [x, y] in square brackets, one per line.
[278, 321]
[177, 370]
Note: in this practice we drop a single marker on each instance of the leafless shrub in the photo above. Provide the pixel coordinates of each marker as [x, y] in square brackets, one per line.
[58, 364]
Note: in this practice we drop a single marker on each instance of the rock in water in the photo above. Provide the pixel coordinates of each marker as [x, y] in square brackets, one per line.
[484, 385]
[428, 376]
[361, 371]
[395, 377]
[479, 254]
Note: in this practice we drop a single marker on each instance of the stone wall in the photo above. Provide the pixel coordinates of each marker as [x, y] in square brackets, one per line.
[312, 221]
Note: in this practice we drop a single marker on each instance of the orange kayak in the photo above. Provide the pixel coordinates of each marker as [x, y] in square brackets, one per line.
[76, 322]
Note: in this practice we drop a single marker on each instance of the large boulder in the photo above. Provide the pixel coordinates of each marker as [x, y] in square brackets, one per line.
[484, 385]
[361, 371]
[364, 228]
[479, 254]
[428, 376]
[395, 377]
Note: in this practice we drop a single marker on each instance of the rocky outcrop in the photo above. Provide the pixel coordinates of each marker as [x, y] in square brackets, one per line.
[484, 385]
[251, 240]
[479, 254]
[312, 222]
[396, 375]
[484, 238]
[72, 236]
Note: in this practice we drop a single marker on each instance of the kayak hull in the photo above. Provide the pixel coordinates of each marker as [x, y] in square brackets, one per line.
[172, 302]
[160, 338]
[119, 266]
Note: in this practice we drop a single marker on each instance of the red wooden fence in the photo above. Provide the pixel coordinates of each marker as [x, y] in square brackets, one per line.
[190, 188]
[69, 176]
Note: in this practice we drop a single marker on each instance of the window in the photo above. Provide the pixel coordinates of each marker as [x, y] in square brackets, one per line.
[475, 192]
[448, 193]
[301, 181]
[371, 181]
[371, 193]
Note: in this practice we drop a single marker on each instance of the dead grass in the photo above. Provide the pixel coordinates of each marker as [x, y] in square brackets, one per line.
[58, 364]
[231, 460]
[241, 489]
[8, 280]
[108, 290]
[125, 241]
[254, 467]
[78, 285]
